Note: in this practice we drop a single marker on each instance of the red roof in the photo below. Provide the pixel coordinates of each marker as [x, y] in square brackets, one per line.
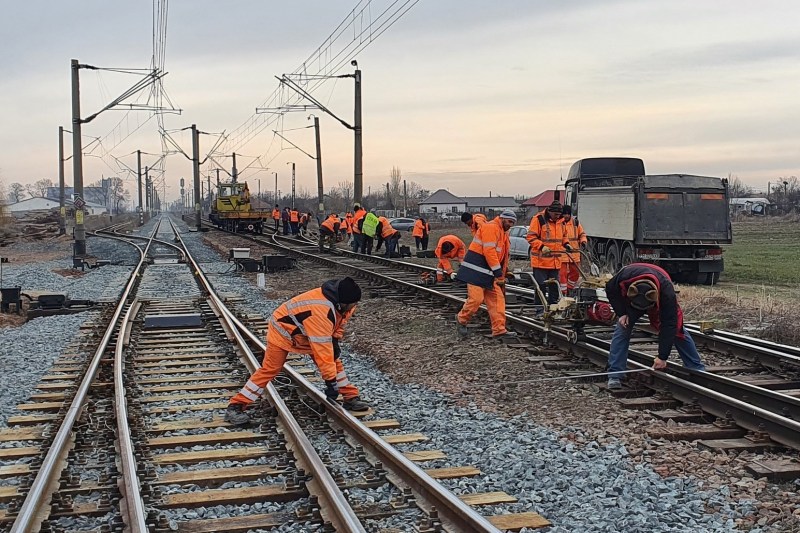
[543, 199]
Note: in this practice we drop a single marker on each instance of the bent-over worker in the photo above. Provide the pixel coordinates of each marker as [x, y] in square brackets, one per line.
[328, 231]
[484, 270]
[449, 247]
[311, 323]
[473, 221]
[641, 288]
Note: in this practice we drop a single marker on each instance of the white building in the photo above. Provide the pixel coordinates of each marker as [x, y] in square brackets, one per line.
[45, 204]
[442, 202]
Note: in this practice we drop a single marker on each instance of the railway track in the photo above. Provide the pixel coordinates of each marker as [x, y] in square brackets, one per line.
[752, 397]
[128, 433]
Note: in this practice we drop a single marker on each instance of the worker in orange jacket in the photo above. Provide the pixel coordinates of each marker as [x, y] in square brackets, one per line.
[311, 323]
[294, 221]
[484, 270]
[547, 239]
[358, 238]
[421, 233]
[571, 259]
[348, 224]
[473, 221]
[328, 231]
[449, 247]
[276, 217]
[386, 233]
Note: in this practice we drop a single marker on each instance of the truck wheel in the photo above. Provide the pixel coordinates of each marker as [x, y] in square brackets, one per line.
[627, 255]
[712, 278]
[612, 258]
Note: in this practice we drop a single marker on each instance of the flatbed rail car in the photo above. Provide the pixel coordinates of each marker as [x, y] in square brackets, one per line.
[677, 221]
[233, 211]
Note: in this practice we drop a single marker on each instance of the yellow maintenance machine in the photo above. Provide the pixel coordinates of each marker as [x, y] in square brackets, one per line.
[232, 210]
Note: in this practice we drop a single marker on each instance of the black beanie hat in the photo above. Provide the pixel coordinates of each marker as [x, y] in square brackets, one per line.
[555, 207]
[348, 291]
[567, 210]
[447, 247]
[466, 217]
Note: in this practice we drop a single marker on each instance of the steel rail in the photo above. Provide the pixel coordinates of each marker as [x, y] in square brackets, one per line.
[449, 506]
[27, 519]
[125, 238]
[781, 412]
[341, 513]
[772, 355]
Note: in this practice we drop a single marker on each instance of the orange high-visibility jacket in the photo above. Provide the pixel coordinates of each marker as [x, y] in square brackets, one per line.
[458, 252]
[477, 220]
[294, 215]
[276, 214]
[307, 324]
[487, 256]
[331, 223]
[386, 228]
[304, 218]
[573, 231]
[348, 222]
[544, 232]
[420, 229]
[361, 213]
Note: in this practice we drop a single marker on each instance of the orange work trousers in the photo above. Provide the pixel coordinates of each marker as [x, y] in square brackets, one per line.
[495, 302]
[274, 359]
[568, 276]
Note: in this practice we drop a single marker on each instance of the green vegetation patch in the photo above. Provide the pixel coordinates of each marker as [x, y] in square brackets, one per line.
[764, 251]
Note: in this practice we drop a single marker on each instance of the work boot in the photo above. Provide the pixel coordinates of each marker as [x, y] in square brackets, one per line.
[463, 330]
[614, 384]
[235, 415]
[355, 404]
[508, 336]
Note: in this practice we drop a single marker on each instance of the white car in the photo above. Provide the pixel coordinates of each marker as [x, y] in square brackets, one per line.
[520, 248]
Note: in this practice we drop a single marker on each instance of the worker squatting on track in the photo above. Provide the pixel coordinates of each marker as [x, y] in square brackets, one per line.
[641, 288]
[310, 323]
[449, 247]
[328, 232]
[484, 270]
[387, 234]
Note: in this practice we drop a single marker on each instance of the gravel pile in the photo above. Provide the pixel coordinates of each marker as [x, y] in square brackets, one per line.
[119, 253]
[27, 352]
[102, 283]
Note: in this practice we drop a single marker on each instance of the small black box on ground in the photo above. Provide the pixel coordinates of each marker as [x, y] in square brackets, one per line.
[425, 253]
[51, 301]
[405, 251]
[249, 265]
[273, 263]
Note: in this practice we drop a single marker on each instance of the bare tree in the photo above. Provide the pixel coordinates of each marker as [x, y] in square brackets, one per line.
[395, 192]
[16, 192]
[119, 196]
[345, 189]
[786, 193]
[739, 189]
[39, 188]
[104, 191]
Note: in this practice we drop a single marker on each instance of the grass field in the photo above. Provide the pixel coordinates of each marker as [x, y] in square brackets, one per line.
[764, 251]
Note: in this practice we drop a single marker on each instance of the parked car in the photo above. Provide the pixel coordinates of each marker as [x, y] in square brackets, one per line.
[520, 248]
[402, 224]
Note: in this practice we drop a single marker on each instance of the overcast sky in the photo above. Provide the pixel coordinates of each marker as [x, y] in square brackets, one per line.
[472, 96]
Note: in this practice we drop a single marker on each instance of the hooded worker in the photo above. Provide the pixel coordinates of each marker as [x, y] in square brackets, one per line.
[640, 289]
[473, 221]
[547, 239]
[569, 274]
[311, 323]
[484, 270]
[449, 247]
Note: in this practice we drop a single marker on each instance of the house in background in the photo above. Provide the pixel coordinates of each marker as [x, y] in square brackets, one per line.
[39, 203]
[540, 201]
[444, 203]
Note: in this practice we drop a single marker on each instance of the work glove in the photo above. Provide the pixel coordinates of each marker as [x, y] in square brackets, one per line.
[510, 275]
[568, 247]
[583, 245]
[546, 250]
[337, 350]
[453, 276]
[501, 283]
[331, 390]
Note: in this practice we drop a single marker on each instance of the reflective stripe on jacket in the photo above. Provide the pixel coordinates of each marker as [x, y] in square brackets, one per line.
[294, 215]
[386, 228]
[478, 219]
[544, 232]
[331, 223]
[487, 256]
[356, 218]
[573, 232]
[307, 324]
[348, 222]
[420, 229]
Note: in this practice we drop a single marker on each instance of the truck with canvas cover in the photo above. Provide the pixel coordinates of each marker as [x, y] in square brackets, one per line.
[677, 221]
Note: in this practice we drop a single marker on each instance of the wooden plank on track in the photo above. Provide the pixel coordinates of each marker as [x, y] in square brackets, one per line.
[487, 498]
[230, 385]
[29, 433]
[776, 469]
[227, 454]
[517, 521]
[222, 475]
[178, 408]
[405, 438]
[14, 453]
[245, 495]
[56, 377]
[8, 493]
[206, 438]
[40, 406]
[188, 423]
[182, 379]
[179, 357]
[49, 396]
[388, 423]
[188, 370]
[236, 524]
[14, 470]
[425, 455]
[172, 397]
[183, 363]
[453, 472]
[30, 420]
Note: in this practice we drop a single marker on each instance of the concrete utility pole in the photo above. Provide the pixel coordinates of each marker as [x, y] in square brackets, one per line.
[405, 199]
[196, 168]
[210, 196]
[147, 191]
[276, 188]
[320, 192]
[62, 219]
[77, 163]
[358, 178]
[234, 173]
[139, 184]
[292, 183]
